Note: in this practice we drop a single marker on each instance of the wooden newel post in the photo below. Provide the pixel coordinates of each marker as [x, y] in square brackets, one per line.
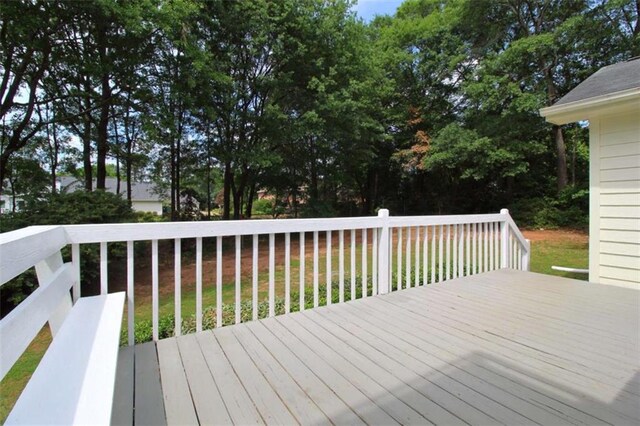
[504, 239]
[525, 256]
[383, 252]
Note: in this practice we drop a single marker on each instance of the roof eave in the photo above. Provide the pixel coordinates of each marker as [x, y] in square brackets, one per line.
[591, 107]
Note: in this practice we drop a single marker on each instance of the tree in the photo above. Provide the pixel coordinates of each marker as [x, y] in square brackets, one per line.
[26, 43]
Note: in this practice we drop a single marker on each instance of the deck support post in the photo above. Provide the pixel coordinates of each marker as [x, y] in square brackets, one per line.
[383, 252]
[525, 257]
[45, 269]
[504, 240]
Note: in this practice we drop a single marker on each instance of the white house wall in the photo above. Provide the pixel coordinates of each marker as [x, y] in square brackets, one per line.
[614, 242]
[147, 206]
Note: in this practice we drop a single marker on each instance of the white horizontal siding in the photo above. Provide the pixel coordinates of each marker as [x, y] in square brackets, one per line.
[619, 224]
[626, 187]
[630, 212]
[614, 175]
[622, 137]
[624, 249]
[618, 182]
[620, 162]
[631, 236]
[629, 199]
[620, 150]
[618, 273]
[622, 261]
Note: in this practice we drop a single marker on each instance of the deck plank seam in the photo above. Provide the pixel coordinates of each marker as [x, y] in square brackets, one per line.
[311, 371]
[460, 400]
[262, 374]
[575, 381]
[356, 369]
[306, 317]
[468, 325]
[446, 348]
[273, 385]
[328, 366]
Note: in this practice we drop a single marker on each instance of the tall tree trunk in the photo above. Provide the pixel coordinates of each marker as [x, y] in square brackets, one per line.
[86, 139]
[313, 190]
[561, 150]
[178, 165]
[55, 150]
[562, 158]
[103, 134]
[117, 145]
[249, 204]
[172, 154]
[128, 166]
[226, 199]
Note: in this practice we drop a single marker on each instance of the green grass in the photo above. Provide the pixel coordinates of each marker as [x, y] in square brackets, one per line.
[20, 373]
[573, 254]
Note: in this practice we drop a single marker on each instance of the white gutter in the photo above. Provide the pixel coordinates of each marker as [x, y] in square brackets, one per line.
[579, 110]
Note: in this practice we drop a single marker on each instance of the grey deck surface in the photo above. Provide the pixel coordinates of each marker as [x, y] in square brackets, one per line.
[504, 347]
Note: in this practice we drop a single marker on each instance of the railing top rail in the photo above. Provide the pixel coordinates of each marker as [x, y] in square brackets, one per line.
[516, 232]
[81, 234]
[397, 221]
[21, 249]
[24, 248]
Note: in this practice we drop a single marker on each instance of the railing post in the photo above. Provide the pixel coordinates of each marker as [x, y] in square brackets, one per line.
[525, 256]
[44, 271]
[383, 252]
[504, 239]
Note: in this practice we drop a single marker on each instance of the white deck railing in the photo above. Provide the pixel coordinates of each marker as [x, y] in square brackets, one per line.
[384, 254]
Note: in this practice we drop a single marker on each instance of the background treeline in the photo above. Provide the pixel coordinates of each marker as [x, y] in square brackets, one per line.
[433, 110]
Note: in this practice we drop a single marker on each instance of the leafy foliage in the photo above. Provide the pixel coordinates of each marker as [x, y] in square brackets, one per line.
[57, 209]
[426, 111]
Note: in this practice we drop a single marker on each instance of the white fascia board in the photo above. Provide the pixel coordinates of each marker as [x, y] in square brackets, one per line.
[588, 108]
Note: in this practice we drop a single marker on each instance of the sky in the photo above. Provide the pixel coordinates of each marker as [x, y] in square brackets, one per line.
[368, 9]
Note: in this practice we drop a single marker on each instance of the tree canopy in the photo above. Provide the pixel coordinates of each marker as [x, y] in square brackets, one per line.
[432, 110]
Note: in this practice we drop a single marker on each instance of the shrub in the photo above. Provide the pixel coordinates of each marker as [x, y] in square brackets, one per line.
[262, 207]
[143, 330]
[570, 209]
[64, 208]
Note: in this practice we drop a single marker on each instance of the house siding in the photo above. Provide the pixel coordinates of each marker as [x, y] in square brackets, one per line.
[615, 199]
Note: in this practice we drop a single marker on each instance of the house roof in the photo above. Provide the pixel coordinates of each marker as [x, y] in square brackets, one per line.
[607, 80]
[140, 191]
[609, 87]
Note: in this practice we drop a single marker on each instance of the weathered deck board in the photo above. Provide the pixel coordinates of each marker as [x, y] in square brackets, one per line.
[122, 409]
[148, 401]
[178, 404]
[504, 347]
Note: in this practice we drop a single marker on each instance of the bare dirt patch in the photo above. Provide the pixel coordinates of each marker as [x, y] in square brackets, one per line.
[556, 235]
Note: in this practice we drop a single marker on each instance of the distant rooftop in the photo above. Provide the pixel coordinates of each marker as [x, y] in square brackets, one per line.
[606, 81]
[140, 191]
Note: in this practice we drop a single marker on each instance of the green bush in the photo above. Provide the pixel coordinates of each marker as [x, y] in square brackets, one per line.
[145, 217]
[570, 209]
[143, 330]
[262, 207]
[65, 208]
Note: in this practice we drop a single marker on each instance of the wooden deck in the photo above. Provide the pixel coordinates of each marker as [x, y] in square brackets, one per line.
[504, 347]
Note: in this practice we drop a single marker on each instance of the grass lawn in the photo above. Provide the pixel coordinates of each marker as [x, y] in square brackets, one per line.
[558, 247]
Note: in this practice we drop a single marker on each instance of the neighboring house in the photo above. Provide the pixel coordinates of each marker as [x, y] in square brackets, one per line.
[144, 197]
[610, 101]
[6, 204]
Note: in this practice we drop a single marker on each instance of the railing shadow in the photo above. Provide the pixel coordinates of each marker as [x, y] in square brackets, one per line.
[487, 389]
